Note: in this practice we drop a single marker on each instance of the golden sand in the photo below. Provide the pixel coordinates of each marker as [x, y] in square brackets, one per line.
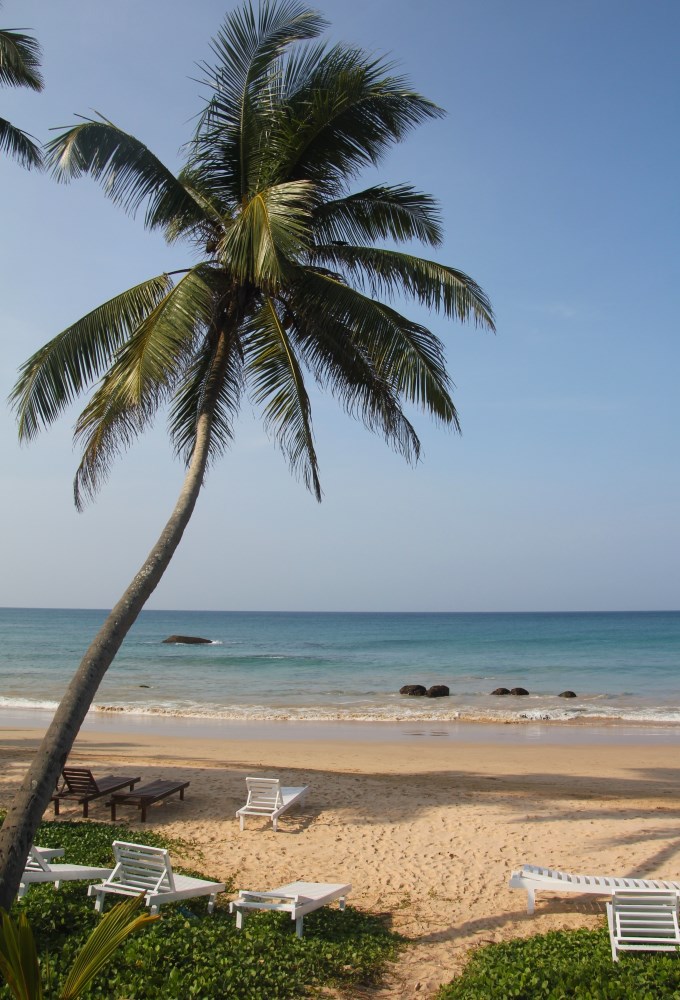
[427, 833]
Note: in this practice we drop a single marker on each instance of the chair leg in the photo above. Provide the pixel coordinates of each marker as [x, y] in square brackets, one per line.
[298, 926]
[531, 901]
[85, 809]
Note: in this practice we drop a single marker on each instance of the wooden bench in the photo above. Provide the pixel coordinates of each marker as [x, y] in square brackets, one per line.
[146, 795]
[79, 783]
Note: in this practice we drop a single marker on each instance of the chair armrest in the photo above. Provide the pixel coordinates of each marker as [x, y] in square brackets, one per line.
[291, 897]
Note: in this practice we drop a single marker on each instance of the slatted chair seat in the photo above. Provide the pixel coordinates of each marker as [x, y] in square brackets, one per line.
[147, 870]
[643, 921]
[79, 783]
[39, 868]
[296, 898]
[533, 879]
[267, 797]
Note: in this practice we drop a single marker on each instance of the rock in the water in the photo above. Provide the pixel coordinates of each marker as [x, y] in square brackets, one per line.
[519, 691]
[501, 691]
[437, 691]
[189, 640]
[413, 689]
[566, 694]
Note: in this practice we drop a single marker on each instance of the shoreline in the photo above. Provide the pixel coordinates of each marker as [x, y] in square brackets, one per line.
[575, 732]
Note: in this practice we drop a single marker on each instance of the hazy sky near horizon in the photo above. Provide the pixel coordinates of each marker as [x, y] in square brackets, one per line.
[556, 170]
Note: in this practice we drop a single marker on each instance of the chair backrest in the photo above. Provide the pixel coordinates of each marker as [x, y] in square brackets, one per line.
[264, 794]
[141, 869]
[645, 920]
[35, 862]
[79, 780]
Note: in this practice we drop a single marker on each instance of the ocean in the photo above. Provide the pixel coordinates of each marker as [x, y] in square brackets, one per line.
[623, 667]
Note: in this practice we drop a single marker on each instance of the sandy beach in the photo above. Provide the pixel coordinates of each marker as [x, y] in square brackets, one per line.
[427, 830]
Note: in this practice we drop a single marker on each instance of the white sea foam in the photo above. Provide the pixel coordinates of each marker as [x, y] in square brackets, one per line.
[324, 713]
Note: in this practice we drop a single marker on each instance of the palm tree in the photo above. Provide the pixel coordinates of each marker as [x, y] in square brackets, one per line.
[19, 67]
[287, 286]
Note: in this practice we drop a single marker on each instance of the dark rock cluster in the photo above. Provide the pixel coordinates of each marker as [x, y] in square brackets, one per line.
[419, 690]
[563, 694]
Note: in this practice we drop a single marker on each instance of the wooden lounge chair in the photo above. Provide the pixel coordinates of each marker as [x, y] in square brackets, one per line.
[534, 879]
[40, 869]
[643, 921]
[144, 795]
[266, 797]
[140, 869]
[296, 898]
[79, 783]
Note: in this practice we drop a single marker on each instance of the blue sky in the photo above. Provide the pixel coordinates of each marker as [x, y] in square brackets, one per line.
[556, 170]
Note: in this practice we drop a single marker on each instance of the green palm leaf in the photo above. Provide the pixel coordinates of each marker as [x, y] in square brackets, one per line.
[340, 365]
[127, 170]
[142, 376]
[406, 355]
[19, 959]
[97, 951]
[273, 230]
[56, 374]
[19, 145]
[436, 286]
[247, 46]
[346, 118]
[396, 212]
[189, 399]
[277, 380]
[19, 60]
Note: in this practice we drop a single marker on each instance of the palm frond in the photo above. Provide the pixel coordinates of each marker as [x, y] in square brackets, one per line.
[406, 355]
[272, 230]
[97, 951]
[189, 398]
[20, 145]
[388, 272]
[346, 118]
[128, 171]
[143, 374]
[246, 47]
[397, 212]
[274, 373]
[19, 964]
[19, 60]
[342, 366]
[68, 364]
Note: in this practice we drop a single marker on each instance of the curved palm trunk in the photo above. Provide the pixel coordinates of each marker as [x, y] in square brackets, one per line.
[25, 812]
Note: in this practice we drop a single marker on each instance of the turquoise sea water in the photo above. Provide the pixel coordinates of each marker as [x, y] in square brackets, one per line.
[347, 666]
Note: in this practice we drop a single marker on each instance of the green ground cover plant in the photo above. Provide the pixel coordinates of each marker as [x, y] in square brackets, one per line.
[562, 965]
[188, 953]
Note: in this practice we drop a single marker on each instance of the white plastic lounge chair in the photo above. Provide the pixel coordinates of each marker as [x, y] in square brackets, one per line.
[266, 797]
[534, 879]
[296, 898]
[140, 869]
[643, 921]
[39, 869]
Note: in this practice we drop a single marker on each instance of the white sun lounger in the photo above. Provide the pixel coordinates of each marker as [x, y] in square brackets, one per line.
[267, 797]
[534, 879]
[296, 898]
[643, 921]
[140, 869]
[40, 869]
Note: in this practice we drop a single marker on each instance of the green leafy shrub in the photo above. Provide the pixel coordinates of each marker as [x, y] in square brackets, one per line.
[189, 954]
[562, 965]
